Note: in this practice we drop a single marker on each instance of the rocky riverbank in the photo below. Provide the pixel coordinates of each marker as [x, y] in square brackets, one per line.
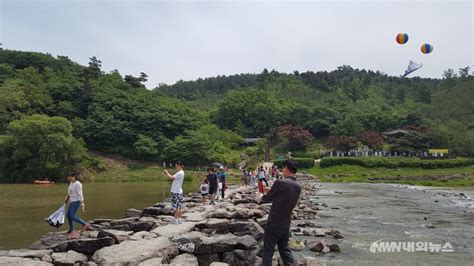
[229, 232]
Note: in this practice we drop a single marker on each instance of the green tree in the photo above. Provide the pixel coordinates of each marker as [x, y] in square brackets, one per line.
[351, 125]
[94, 70]
[257, 113]
[145, 147]
[136, 82]
[39, 146]
[464, 72]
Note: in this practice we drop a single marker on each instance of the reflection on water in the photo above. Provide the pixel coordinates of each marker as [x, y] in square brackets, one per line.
[23, 207]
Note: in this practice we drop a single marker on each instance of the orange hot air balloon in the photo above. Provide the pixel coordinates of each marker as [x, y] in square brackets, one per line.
[402, 38]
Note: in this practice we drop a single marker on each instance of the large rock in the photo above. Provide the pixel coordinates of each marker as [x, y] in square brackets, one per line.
[152, 262]
[117, 235]
[240, 257]
[121, 227]
[241, 214]
[142, 235]
[207, 259]
[311, 261]
[221, 214]
[320, 232]
[84, 246]
[184, 259]
[336, 234]
[333, 247]
[132, 252]
[319, 246]
[257, 213]
[188, 242]
[58, 242]
[28, 253]
[155, 211]
[171, 230]
[193, 236]
[244, 201]
[19, 261]
[193, 216]
[100, 221]
[68, 258]
[49, 240]
[123, 221]
[224, 243]
[262, 221]
[217, 223]
[241, 228]
[132, 213]
[141, 226]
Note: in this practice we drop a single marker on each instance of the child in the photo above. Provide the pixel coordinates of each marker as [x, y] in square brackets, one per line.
[204, 190]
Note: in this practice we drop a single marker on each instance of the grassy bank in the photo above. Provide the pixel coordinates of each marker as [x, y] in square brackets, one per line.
[464, 176]
[119, 169]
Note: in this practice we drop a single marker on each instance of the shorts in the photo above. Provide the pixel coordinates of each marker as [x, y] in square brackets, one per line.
[176, 200]
[212, 190]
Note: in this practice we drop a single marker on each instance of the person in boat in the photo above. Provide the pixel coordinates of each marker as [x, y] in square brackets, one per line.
[76, 200]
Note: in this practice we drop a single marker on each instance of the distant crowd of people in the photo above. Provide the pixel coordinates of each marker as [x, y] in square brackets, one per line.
[262, 174]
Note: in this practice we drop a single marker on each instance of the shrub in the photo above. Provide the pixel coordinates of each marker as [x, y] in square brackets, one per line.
[397, 162]
[302, 162]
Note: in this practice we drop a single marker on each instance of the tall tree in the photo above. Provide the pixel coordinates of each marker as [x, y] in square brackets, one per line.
[39, 146]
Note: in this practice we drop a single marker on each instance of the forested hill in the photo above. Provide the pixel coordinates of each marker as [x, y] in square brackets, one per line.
[212, 87]
[52, 108]
[322, 81]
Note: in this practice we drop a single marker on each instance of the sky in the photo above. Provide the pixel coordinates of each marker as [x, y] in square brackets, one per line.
[174, 40]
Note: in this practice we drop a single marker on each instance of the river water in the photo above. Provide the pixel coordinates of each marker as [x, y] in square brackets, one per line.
[365, 213]
[23, 207]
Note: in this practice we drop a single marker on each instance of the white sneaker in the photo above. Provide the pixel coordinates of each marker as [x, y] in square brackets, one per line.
[174, 221]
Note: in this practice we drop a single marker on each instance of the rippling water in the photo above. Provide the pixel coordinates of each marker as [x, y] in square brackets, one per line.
[371, 212]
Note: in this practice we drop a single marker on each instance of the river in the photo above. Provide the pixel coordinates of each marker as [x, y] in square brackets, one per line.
[23, 207]
[365, 213]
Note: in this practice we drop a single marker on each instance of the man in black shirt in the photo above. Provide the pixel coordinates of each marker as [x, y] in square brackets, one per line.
[284, 196]
[212, 179]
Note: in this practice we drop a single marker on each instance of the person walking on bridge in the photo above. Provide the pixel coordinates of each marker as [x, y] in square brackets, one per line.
[76, 199]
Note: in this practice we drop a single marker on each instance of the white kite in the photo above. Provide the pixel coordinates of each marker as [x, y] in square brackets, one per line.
[412, 66]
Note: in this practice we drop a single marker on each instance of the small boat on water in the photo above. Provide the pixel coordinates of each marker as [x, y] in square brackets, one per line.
[43, 182]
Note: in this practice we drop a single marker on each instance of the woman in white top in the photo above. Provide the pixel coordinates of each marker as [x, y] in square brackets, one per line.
[76, 199]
